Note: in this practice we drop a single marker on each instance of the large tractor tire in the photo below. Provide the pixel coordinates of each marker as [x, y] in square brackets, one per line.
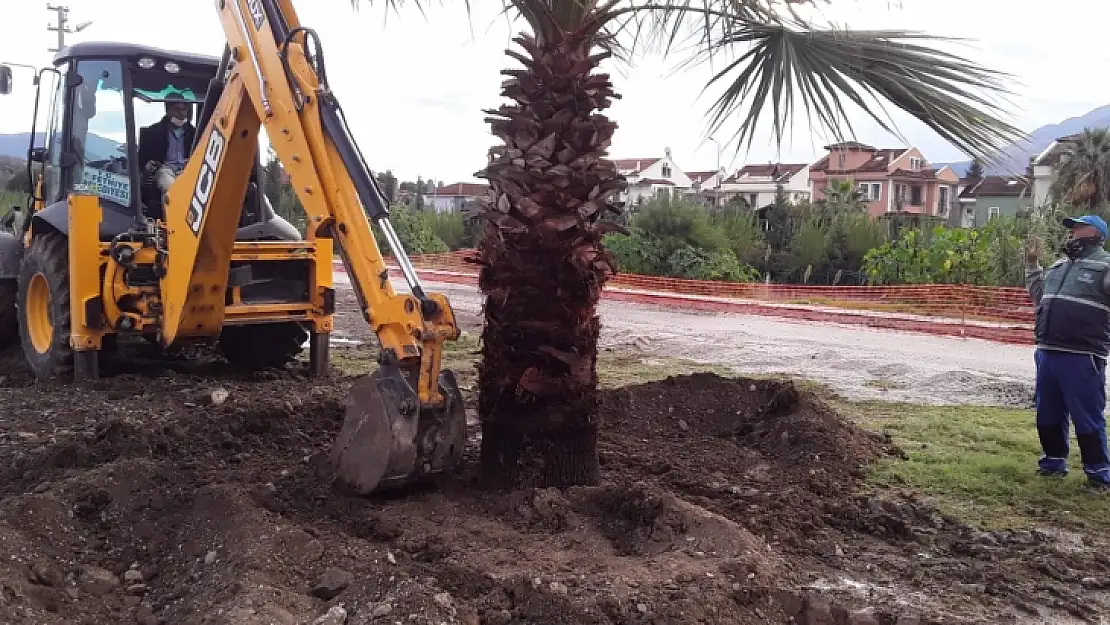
[43, 296]
[9, 324]
[263, 346]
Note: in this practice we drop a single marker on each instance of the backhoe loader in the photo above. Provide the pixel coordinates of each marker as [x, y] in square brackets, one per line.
[101, 251]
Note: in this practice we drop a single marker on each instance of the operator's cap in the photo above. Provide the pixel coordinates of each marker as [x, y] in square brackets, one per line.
[1087, 220]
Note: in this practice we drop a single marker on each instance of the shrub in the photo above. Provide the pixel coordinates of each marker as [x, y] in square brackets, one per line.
[679, 239]
[990, 255]
[414, 229]
[455, 229]
[699, 264]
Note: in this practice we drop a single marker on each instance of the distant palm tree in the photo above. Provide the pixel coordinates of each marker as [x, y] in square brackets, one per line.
[542, 262]
[843, 196]
[1083, 176]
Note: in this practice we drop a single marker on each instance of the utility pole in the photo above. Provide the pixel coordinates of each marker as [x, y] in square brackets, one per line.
[63, 25]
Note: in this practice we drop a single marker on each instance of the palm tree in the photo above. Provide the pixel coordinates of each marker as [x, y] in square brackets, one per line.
[1083, 176]
[542, 262]
[975, 170]
[843, 196]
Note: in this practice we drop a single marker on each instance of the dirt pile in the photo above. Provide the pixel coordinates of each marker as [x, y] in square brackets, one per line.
[136, 500]
[757, 450]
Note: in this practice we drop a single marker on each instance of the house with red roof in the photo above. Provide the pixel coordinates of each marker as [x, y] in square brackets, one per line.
[890, 180]
[652, 177]
[705, 186]
[453, 197]
[756, 185]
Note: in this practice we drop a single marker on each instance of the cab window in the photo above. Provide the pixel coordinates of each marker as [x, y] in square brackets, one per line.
[150, 106]
[98, 132]
[153, 84]
[52, 172]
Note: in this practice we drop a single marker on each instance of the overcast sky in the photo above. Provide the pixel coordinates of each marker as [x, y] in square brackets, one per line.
[414, 87]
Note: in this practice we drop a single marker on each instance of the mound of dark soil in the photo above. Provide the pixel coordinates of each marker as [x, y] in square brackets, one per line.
[761, 450]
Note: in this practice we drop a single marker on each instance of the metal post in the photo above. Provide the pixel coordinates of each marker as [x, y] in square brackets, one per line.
[717, 192]
[63, 14]
[318, 354]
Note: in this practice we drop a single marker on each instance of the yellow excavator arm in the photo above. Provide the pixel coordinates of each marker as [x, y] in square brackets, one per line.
[406, 420]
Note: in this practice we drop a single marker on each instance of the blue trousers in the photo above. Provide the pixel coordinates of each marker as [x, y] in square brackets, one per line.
[1072, 386]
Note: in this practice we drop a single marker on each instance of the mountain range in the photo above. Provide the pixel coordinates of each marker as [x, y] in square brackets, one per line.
[1015, 157]
[15, 145]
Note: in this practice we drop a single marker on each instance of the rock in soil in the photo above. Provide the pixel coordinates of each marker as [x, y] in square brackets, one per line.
[133, 576]
[46, 574]
[98, 581]
[333, 582]
[336, 615]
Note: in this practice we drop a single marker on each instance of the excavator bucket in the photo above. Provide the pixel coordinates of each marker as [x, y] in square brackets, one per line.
[388, 440]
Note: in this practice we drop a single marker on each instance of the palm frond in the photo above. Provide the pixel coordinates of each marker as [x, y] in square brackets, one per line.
[825, 68]
[785, 61]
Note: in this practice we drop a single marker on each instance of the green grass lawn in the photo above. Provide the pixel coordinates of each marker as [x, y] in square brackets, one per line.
[972, 461]
[978, 462]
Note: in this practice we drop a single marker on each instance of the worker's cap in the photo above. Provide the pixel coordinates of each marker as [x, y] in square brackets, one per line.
[1094, 221]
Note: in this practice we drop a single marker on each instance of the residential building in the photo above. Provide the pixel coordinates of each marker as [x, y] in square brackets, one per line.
[650, 178]
[1044, 167]
[991, 197]
[890, 180]
[453, 197]
[705, 186]
[756, 184]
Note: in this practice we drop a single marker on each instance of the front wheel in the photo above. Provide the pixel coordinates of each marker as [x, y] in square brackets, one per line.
[43, 296]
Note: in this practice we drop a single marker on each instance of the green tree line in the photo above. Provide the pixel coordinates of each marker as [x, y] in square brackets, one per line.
[832, 242]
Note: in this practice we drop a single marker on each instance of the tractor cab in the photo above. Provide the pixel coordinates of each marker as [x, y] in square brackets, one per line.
[108, 112]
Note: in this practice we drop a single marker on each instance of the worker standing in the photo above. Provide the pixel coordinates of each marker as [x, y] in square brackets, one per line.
[1073, 338]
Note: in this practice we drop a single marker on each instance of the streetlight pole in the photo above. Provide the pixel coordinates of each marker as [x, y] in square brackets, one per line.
[717, 192]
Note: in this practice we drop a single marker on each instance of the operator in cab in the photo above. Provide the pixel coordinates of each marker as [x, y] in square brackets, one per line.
[165, 145]
[1072, 299]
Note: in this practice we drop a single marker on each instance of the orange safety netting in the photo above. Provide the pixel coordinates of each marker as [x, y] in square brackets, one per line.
[1002, 305]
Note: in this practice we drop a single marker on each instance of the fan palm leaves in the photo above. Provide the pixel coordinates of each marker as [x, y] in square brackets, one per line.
[783, 61]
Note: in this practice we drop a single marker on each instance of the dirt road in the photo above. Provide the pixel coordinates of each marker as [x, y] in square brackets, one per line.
[860, 363]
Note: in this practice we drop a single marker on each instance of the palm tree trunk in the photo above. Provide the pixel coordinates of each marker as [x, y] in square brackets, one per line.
[543, 266]
[537, 382]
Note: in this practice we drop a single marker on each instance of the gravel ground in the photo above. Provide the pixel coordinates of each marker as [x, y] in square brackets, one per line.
[858, 363]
